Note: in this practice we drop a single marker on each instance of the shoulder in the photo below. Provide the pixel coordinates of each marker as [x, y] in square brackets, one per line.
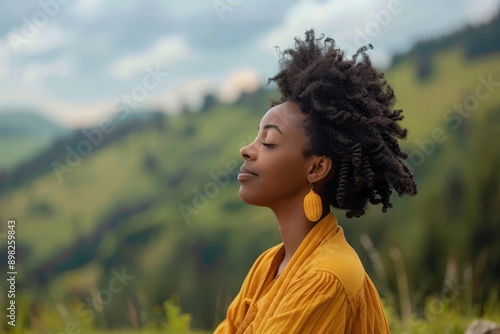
[336, 259]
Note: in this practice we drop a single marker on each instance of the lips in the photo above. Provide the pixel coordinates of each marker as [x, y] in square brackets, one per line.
[246, 174]
[246, 170]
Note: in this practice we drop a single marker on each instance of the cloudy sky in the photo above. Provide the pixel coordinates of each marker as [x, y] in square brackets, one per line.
[75, 60]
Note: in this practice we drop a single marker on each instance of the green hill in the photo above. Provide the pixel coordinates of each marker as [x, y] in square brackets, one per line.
[23, 133]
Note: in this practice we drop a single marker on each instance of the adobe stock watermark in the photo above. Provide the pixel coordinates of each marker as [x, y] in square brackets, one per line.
[99, 298]
[380, 19]
[121, 108]
[436, 306]
[32, 25]
[223, 6]
[210, 190]
[453, 116]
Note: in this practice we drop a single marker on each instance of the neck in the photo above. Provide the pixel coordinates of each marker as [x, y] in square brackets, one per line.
[294, 226]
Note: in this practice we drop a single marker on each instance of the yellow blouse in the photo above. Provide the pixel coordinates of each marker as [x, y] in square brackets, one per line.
[323, 289]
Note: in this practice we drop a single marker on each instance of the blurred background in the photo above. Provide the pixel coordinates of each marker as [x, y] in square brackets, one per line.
[120, 129]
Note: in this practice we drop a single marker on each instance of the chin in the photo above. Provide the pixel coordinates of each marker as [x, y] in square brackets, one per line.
[250, 198]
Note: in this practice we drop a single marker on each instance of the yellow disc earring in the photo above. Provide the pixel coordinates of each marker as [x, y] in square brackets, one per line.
[313, 207]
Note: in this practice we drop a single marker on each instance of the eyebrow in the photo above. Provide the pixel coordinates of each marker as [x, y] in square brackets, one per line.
[271, 126]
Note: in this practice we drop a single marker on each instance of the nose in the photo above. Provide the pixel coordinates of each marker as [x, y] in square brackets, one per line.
[248, 152]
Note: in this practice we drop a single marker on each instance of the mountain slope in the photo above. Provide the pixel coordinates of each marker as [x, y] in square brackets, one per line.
[23, 133]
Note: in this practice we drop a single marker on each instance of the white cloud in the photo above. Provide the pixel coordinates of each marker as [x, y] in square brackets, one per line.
[336, 18]
[245, 80]
[36, 74]
[193, 92]
[89, 11]
[34, 40]
[88, 8]
[190, 93]
[166, 52]
[480, 13]
[31, 79]
[70, 114]
[351, 23]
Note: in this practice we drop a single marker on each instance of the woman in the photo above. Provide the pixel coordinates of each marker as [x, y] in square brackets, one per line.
[332, 140]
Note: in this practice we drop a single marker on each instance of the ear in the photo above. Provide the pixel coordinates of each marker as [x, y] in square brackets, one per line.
[319, 168]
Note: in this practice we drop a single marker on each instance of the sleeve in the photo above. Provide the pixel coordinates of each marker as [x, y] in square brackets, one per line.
[317, 304]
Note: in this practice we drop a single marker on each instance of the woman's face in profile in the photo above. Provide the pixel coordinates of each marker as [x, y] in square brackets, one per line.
[275, 169]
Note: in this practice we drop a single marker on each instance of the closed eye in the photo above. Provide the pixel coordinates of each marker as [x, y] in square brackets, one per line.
[269, 145]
